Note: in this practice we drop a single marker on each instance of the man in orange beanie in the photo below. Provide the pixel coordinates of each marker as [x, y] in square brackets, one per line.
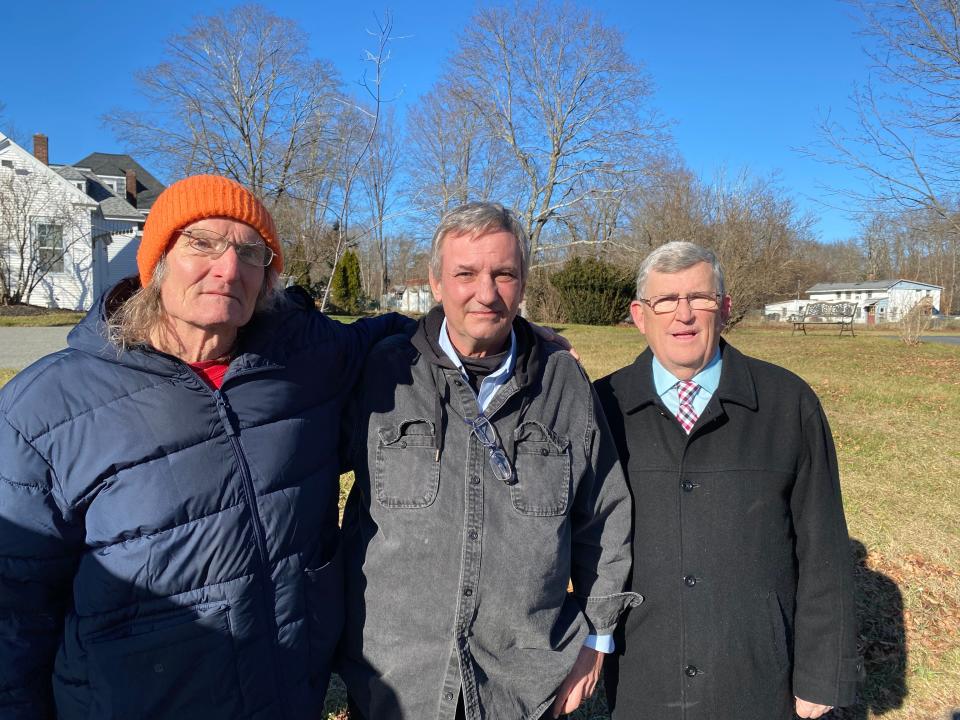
[169, 485]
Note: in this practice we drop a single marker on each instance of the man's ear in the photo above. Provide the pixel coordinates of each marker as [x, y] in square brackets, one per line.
[636, 312]
[725, 305]
[435, 287]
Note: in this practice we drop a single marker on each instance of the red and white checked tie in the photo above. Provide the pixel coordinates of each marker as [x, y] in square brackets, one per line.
[687, 390]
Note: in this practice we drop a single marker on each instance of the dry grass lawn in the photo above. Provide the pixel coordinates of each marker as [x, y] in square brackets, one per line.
[895, 415]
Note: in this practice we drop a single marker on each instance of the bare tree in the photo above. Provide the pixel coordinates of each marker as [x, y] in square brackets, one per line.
[237, 95]
[755, 229]
[378, 176]
[366, 134]
[39, 227]
[451, 157]
[555, 87]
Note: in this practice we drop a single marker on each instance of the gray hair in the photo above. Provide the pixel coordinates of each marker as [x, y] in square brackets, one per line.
[132, 324]
[675, 257]
[475, 218]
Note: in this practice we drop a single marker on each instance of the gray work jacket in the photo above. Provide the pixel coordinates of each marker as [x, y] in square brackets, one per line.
[457, 581]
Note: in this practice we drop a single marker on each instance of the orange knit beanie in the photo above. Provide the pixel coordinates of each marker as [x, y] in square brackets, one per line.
[195, 198]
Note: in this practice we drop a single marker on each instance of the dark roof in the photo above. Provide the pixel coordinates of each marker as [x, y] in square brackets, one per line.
[111, 205]
[864, 285]
[116, 165]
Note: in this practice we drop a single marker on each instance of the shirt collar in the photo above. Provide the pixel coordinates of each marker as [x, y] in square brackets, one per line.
[708, 378]
[495, 379]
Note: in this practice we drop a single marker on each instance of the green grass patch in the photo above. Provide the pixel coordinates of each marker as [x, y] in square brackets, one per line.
[52, 319]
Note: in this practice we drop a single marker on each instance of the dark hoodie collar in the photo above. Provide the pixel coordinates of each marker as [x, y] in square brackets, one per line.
[529, 353]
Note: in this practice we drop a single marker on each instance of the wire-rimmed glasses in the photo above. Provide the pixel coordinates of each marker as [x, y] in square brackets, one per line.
[213, 244]
[486, 433]
[663, 304]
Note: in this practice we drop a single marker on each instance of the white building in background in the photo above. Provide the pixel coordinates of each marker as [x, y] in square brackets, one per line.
[877, 301]
[781, 311]
[413, 297]
[83, 220]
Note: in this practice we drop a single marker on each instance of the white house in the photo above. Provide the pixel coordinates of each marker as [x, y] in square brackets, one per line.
[69, 232]
[879, 300]
[413, 297]
[783, 310]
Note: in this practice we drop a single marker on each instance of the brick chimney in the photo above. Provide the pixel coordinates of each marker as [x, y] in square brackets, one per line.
[41, 148]
[131, 187]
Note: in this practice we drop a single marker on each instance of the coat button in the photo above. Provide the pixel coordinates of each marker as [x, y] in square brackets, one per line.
[544, 452]
[403, 443]
[690, 670]
[475, 479]
[467, 592]
[474, 535]
[448, 696]
[690, 580]
[687, 486]
[458, 383]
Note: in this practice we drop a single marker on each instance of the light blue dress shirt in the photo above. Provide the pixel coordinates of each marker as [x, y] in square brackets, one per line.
[488, 388]
[492, 382]
[666, 384]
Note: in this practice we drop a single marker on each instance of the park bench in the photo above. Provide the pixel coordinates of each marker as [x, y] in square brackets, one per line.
[825, 313]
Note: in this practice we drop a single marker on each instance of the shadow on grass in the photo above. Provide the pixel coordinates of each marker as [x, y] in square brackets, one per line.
[882, 641]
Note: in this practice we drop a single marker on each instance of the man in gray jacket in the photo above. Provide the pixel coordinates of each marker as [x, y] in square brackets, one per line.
[486, 482]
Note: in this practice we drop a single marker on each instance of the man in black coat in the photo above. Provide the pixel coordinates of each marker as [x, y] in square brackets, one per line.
[740, 544]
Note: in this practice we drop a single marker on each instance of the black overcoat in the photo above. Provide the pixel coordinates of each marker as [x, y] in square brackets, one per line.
[740, 547]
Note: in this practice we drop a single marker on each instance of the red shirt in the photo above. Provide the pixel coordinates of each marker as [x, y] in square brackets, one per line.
[212, 371]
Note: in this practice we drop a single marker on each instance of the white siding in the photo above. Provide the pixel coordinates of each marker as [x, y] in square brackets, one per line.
[55, 200]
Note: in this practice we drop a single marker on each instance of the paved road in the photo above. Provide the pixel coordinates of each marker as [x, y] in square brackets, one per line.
[20, 346]
[942, 339]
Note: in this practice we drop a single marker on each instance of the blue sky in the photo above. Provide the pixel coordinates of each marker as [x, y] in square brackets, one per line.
[743, 82]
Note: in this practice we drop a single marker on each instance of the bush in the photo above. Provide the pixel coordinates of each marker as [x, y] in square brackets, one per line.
[593, 292]
[347, 289]
[542, 299]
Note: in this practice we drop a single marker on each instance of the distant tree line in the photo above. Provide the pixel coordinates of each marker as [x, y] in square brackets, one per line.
[540, 108]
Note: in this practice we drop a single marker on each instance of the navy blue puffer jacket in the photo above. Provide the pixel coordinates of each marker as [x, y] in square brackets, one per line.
[167, 550]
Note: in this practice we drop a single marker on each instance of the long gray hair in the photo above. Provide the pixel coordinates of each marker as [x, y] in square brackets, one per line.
[675, 257]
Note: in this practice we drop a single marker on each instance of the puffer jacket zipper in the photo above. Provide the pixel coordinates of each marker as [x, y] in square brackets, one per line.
[223, 409]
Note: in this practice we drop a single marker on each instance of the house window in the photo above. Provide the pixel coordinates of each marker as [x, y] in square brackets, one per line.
[869, 295]
[6, 163]
[48, 243]
[121, 187]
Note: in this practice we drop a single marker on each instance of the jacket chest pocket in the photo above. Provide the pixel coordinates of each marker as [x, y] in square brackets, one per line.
[542, 464]
[407, 473]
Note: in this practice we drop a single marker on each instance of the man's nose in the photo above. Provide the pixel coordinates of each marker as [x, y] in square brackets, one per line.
[228, 264]
[684, 311]
[487, 289]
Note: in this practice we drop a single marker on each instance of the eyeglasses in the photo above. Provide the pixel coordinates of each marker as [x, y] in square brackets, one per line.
[213, 244]
[663, 304]
[486, 433]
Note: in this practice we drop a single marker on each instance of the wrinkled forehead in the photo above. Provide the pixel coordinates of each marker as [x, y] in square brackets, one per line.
[232, 229]
[458, 247]
[696, 278]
